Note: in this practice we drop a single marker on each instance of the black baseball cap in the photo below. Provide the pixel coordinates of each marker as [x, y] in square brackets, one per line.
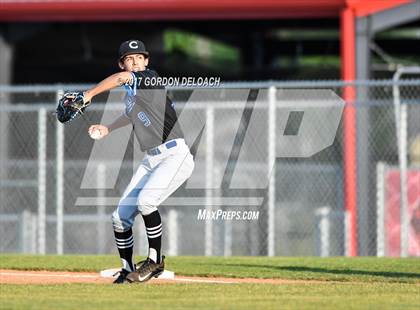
[132, 47]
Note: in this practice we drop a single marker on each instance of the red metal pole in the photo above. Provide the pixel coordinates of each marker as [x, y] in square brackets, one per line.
[348, 50]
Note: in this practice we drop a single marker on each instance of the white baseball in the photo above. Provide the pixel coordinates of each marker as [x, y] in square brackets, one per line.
[95, 134]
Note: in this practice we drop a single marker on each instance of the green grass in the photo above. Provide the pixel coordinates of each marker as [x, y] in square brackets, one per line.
[350, 283]
[211, 296]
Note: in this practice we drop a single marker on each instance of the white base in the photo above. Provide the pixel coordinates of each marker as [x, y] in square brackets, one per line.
[109, 273]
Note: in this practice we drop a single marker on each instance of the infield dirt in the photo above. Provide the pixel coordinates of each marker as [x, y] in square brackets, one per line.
[60, 277]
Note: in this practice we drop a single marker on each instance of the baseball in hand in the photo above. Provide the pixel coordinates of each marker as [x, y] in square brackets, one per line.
[95, 134]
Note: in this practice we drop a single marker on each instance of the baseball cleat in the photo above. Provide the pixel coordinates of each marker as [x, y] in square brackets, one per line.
[122, 277]
[147, 269]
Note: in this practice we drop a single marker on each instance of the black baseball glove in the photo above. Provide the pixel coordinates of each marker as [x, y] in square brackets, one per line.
[70, 105]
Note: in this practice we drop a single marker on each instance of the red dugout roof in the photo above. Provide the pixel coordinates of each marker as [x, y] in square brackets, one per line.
[111, 10]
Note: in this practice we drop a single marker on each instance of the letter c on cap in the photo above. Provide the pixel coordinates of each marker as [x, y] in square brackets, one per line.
[133, 44]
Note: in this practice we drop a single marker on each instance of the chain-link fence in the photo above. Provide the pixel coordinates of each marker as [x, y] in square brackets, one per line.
[300, 207]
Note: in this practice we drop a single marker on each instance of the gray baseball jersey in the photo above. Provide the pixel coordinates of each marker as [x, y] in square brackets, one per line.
[150, 111]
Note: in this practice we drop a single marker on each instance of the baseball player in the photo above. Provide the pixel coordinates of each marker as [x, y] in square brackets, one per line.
[167, 164]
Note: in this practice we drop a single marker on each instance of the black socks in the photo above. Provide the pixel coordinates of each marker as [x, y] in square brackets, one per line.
[125, 243]
[153, 225]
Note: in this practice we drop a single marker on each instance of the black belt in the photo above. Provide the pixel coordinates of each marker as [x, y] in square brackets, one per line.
[156, 151]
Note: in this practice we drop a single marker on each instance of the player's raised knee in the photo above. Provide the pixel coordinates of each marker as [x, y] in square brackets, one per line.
[120, 223]
[116, 221]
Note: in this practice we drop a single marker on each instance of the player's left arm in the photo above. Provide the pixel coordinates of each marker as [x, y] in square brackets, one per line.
[115, 80]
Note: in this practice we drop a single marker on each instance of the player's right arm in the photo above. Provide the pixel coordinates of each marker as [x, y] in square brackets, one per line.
[112, 81]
